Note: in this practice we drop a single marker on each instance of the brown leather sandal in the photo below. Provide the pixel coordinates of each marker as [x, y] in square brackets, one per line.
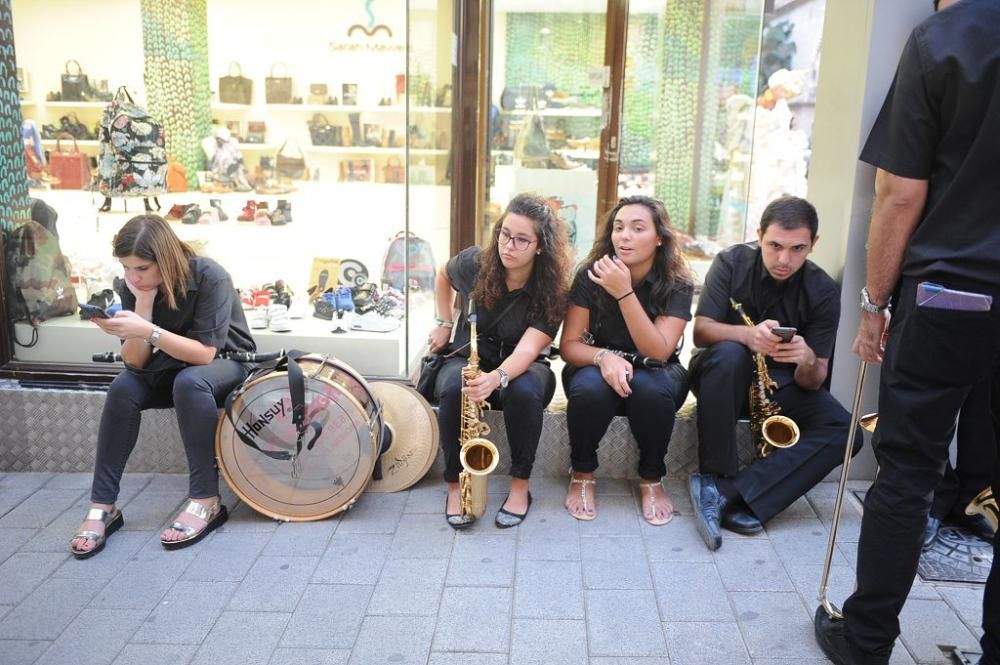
[112, 522]
[213, 518]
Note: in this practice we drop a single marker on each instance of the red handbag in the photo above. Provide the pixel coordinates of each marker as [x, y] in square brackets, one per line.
[71, 168]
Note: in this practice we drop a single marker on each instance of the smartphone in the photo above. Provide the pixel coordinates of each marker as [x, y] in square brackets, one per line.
[784, 332]
[94, 312]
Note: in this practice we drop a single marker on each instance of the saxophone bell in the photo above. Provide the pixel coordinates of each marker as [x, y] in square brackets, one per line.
[779, 432]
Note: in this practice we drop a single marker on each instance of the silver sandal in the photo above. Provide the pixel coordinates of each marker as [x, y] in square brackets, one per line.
[213, 517]
[113, 521]
[583, 482]
[654, 521]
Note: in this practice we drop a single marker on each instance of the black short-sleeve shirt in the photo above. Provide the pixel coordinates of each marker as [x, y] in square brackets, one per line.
[941, 122]
[607, 325]
[209, 311]
[808, 300]
[497, 339]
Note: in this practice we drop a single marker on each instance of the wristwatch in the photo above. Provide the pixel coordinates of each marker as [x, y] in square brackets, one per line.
[867, 304]
[154, 336]
[504, 378]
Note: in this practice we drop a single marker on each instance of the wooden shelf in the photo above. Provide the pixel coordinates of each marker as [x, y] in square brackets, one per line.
[76, 105]
[371, 150]
[327, 108]
[589, 112]
[80, 143]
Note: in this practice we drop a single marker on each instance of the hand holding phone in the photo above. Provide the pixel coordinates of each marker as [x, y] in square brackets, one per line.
[786, 333]
[94, 312]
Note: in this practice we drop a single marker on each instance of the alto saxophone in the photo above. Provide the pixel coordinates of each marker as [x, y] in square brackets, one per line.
[479, 457]
[985, 504]
[768, 427]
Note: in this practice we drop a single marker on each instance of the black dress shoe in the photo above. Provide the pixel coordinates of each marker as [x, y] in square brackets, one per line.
[831, 636]
[977, 525]
[709, 506]
[739, 519]
[506, 519]
[931, 531]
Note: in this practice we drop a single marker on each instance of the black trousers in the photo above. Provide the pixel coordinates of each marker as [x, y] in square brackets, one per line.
[976, 450]
[523, 403]
[650, 409]
[933, 359]
[196, 393]
[721, 377]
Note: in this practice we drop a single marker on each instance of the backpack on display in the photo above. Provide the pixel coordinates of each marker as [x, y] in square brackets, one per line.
[410, 256]
[133, 160]
[39, 275]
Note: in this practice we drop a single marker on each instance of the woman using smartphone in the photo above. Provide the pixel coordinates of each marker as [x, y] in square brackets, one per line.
[632, 296]
[179, 311]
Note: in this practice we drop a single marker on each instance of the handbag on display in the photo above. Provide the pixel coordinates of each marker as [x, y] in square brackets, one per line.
[278, 89]
[288, 166]
[234, 88]
[72, 168]
[321, 132]
[71, 125]
[256, 131]
[531, 144]
[318, 93]
[75, 86]
[393, 171]
[356, 170]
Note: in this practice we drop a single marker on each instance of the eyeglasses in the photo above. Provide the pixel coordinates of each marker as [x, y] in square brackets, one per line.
[520, 244]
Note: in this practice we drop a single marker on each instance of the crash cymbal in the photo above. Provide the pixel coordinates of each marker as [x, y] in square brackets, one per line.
[414, 430]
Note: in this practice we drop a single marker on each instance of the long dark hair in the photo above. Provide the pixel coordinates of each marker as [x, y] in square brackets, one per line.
[550, 270]
[668, 262]
[150, 238]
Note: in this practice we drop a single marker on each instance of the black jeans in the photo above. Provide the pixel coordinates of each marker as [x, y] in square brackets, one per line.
[196, 393]
[656, 396]
[721, 377]
[932, 360]
[523, 403]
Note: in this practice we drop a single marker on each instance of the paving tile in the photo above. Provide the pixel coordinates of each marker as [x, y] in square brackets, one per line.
[225, 557]
[25, 652]
[751, 565]
[422, 537]
[328, 617]
[775, 623]
[145, 579]
[966, 602]
[244, 519]
[690, 592]
[548, 642]
[310, 657]
[22, 573]
[301, 538]
[168, 482]
[40, 508]
[12, 497]
[409, 586]
[616, 516]
[548, 536]
[152, 510]
[806, 578]
[482, 561]
[242, 638]
[274, 584]
[373, 513]
[131, 485]
[186, 614]
[393, 640]
[677, 490]
[156, 654]
[100, 634]
[548, 590]
[26, 480]
[486, 608]
[353, 558]
[924, 624]
[802, 540]
[51, 607]
[467, 658]
[614, 563]
[629, 661]
[13, 539]
[118, 551]
[624, 623]
[427, 498]
[677, 541]
[55, 536]
[71, 481]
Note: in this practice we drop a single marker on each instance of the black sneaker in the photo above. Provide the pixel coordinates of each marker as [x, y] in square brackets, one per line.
[831, 636]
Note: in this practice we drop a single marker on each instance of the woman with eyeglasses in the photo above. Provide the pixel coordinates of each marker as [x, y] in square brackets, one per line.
[518, 285]
[631, 299]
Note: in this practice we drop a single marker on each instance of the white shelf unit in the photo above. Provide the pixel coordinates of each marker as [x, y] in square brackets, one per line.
[80, 143]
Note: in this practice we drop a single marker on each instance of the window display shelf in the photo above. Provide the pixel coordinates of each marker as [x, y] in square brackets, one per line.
[80, 143]
[259, 147]
[76, 105]
[371, 150]
[330, 108]
[563, 112]
[27, 104]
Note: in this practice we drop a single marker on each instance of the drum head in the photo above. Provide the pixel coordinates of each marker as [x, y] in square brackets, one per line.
[326, 479]
[414, 436]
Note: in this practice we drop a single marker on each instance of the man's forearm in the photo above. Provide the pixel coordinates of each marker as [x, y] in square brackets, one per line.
[899, 203]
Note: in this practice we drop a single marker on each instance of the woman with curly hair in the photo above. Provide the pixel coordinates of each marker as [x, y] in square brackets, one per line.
[518, 287]
[629, 303]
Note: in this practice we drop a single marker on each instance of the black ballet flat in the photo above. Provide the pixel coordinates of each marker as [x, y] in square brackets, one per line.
[457, 521]
[506, 519]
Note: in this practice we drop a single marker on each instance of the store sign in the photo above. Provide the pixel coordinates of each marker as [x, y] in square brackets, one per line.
[369, 35]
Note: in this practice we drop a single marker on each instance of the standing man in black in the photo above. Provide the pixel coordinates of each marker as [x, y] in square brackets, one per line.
[936, 221]
[776, 285]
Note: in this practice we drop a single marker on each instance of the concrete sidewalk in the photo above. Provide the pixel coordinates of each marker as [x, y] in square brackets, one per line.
[390, 582]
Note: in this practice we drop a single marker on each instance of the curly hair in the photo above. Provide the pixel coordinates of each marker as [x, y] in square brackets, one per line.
[551, 267]
[668, 262]
[150, 238]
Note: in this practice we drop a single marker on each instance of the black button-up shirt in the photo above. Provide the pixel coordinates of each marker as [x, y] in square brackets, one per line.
[808, 300]
[497, 338]
[209, 311]
[941, 122]
[607, 325]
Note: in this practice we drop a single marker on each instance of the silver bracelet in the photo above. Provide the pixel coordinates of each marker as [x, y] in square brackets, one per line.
[599, 356]
[445, 323]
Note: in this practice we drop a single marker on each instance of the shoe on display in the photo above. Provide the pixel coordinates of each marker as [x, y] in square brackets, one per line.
[177, 211]
[192, 215]
[261, 217]
[249, 210]
[344, 299]
[278, 217]
[365, 297]
[261, 297]
[246, 298]
[278, 320]
[210, 216]
[374, 322]
[285, 206]
[258, 318]
[217, 204]
[324, 310]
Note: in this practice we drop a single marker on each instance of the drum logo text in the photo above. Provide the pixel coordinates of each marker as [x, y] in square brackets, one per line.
[252, 428]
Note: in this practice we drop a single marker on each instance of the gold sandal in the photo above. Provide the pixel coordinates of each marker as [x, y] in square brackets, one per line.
[113, 521]
[654, 521]
[582, 482]
[213, 517]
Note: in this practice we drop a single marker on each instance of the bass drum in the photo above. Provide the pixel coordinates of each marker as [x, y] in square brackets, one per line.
[324, 480]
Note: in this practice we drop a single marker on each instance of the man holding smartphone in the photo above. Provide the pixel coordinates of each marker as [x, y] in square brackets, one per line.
[937, 155]
[796, 307]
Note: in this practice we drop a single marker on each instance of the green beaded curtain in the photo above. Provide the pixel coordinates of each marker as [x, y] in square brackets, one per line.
[175, 40]
[13, 172]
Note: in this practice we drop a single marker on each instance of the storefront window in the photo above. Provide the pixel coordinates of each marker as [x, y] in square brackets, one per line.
[311, 142]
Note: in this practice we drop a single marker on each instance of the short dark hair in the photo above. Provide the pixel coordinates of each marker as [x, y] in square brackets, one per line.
[790, 212]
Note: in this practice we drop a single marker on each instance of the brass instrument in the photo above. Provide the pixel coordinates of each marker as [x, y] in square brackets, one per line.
[479, 457]
[985, 504]
[768, 427]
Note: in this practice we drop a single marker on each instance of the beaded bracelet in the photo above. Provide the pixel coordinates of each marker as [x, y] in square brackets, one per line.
[599, 356]
[445, 323]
